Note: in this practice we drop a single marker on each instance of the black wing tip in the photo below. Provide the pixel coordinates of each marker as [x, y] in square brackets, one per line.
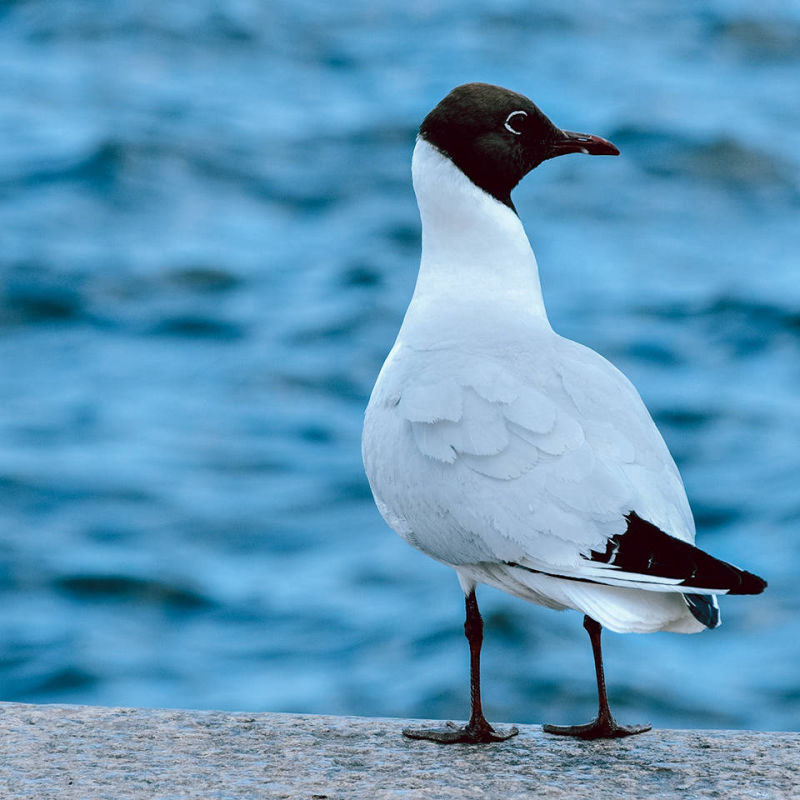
[708, 571]
[749, 584]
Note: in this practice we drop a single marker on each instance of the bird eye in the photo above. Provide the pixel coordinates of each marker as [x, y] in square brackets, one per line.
[515, 121]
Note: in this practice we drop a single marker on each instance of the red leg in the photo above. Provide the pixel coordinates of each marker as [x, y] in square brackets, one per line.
[604, 726]
[477, 730]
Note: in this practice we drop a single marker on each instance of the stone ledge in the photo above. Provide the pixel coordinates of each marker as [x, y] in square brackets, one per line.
[86, 752]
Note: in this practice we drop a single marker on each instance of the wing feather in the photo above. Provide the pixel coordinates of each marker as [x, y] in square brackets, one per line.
[535, 466]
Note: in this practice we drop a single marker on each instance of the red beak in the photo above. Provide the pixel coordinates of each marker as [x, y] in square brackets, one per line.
[571, 142]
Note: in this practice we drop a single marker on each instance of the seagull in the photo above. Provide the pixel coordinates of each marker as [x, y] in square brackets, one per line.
[523, 460]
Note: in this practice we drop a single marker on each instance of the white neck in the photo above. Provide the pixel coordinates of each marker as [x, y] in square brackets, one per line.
[476, 257]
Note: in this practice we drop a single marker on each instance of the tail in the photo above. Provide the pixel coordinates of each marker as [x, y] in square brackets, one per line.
[644, 557]
[704, 608]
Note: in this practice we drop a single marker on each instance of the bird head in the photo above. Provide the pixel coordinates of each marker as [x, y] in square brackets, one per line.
[496, 136]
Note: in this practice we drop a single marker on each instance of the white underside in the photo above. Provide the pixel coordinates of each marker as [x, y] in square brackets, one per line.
[619, 609]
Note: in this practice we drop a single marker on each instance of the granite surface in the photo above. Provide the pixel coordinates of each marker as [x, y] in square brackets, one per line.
[84, 752]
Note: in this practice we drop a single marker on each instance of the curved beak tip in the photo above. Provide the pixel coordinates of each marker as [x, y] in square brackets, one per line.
[572, 142]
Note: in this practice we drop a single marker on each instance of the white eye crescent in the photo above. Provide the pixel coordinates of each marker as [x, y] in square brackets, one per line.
[508, 124]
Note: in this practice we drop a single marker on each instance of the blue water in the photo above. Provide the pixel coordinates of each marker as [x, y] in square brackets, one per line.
[207, 241]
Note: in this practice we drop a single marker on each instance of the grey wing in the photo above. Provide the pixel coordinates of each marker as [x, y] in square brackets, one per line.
[537, 470]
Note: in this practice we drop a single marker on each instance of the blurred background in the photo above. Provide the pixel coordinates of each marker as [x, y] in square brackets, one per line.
[208, 238]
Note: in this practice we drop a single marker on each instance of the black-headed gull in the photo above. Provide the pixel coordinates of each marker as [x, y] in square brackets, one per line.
[523, 460]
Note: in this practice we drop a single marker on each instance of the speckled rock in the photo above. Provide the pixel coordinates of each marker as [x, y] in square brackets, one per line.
[87, 753]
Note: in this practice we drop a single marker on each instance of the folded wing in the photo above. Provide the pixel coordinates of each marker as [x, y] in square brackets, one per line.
[564, 474]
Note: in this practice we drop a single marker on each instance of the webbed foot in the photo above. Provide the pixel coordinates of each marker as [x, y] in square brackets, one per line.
[598, 728]
[468, 734]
